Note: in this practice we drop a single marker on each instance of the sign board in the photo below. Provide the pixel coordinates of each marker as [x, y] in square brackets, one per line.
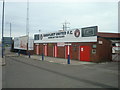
[21, 43]
[16, 43]
[60, 44]
[68, 44]
[7, 40]
[89, 31]
[75, 35]
[100, 42]
[94, 46]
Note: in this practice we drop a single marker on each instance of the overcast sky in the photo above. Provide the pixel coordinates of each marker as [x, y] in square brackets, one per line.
[49, 16]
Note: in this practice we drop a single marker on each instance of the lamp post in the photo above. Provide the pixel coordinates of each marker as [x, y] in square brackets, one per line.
[27, 27]
[10, 29]
[43, 46]
[39, 31]
[3, 30]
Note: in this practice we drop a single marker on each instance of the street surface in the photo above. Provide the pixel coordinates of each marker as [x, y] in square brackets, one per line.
[21, 72]
[27, 73]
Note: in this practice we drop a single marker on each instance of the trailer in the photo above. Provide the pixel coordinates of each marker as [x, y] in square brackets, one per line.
[23, 44]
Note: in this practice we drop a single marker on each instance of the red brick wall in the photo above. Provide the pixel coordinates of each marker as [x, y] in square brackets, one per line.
[103, 51]
[41, 49]
[76, 49]
[61, 52]
[50, 49]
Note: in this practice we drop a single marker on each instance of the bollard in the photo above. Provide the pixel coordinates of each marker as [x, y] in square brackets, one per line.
[42, 56]
[29, 54]
[3, 61]
[68, 59]
[18, 53]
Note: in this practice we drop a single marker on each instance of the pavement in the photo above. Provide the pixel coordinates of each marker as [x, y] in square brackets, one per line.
[53, 59]
[57, 60]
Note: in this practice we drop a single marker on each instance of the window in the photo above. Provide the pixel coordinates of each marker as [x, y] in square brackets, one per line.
[113, 44]
[36, 37]
[93, 51]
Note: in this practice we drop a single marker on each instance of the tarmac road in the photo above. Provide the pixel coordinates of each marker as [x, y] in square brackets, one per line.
[21, 72]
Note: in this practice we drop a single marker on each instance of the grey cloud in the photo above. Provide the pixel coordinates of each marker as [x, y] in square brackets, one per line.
[50, 16]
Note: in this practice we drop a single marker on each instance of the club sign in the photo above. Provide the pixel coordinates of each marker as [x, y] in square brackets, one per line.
[87, 34]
